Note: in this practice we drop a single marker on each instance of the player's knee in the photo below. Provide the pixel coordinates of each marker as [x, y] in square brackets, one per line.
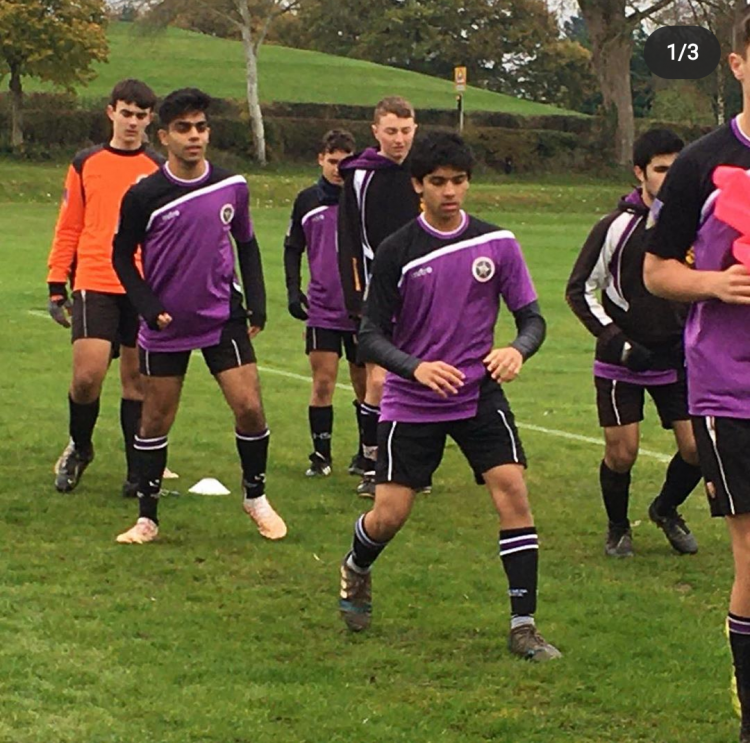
[689, 452]
[249, 417]
[322, 394]
[512, 502]
[621, 456]
[132, 389]
[86, 386]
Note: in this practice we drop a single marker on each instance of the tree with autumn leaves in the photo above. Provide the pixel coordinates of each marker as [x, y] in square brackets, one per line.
[56, 41]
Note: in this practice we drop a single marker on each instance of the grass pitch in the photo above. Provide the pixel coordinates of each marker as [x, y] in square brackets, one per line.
[214, 635]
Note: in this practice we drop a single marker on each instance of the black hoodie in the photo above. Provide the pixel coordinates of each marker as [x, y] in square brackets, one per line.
[377, 199]
[611, 263]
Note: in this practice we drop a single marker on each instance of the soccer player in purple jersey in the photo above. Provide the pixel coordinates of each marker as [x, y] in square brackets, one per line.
[329, 328]
[429, 319]
[691, 259]
[638, 349]
[189, 298]
[376, 200]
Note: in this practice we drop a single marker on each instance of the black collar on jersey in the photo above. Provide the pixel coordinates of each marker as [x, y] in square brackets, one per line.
[124, 153]
[328, 193]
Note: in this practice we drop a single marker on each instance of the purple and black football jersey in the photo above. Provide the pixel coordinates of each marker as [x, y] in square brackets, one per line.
[717, 334]
[313, 228]
[438, 296]
[184, 229]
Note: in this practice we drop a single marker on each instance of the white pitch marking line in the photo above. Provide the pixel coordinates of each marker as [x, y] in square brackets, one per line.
[528, 426]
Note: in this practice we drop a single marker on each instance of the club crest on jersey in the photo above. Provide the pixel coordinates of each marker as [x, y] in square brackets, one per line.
[226, 213]
[483, 269]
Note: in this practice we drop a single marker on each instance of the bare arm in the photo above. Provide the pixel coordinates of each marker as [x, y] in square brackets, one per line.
[671, 279]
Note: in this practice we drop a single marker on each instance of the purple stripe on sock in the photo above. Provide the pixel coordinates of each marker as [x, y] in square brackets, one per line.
[738, 627]
[530, 541]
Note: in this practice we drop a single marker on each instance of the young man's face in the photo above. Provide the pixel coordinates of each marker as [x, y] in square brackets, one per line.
[443, 192]
[329, 164]
[395, 136]
[186, 137]
[129, 123]
[653, 176]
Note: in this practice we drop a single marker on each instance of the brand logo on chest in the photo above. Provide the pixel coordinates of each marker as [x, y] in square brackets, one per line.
[426, 271]
[169, 216]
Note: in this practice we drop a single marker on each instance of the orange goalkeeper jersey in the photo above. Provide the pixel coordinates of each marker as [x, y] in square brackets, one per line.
[96, 181]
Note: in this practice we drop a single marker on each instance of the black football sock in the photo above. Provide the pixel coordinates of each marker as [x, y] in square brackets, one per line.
[739, 641]
[358, 411]
[253, 451]
[150, 455]
[519, 551]
[680, 481]
[615, 492]
[364, 549]
[370, 418]
[321, 429]
[82, 421]
[130, 419]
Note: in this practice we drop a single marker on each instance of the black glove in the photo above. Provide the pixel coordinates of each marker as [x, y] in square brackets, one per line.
[609, 345]
[256, 318]
[59, 305]
[297, 305]
[638, 358]
[611, 348]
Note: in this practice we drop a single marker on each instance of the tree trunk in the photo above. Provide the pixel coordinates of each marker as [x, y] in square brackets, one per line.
[16, 108]
[614, 79]
[721, 110]
[251, 71]
[612, 49]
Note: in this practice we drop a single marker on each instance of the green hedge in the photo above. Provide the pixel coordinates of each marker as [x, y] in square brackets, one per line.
[53, 123]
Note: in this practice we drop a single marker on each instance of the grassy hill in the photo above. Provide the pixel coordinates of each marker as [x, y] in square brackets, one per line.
[176, 58]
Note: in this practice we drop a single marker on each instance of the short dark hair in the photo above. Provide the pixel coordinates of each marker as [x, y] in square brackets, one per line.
[393, 104]
[133, 91]
[180, 102]
[741, 32]
[655, 142]
[336, 139]
[440, 149]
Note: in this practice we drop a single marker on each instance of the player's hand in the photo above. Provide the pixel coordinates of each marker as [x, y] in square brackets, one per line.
[163, 320]
[439, 377]
[60, 309]
[638, 358]
[733, 285]
[504, 364]
[297, 305]
[253, 330]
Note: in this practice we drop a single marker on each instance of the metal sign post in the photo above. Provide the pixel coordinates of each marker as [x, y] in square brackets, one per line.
[459, 83]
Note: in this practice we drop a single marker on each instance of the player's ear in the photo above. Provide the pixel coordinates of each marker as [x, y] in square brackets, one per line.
[110, 112]
[163, 136]
[417, 185]
[640, 174]
[736, 62]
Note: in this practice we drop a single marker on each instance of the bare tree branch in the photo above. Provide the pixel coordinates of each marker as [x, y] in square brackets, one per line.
[636, 18]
